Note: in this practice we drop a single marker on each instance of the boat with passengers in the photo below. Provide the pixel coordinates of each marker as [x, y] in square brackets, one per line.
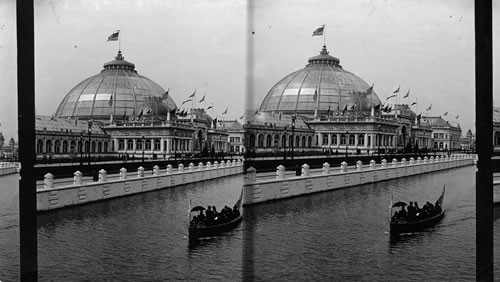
[414, 218]
[212, 223]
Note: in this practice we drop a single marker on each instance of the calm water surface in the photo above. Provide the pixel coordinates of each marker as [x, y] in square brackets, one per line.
[336, 235]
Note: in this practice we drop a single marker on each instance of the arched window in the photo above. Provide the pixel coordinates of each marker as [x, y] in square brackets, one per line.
[361, 140]
[130, 144]
[157, 144]
[72, 147]
[252, 141]
[290, 140]
[352, 139]
[148, 145]
[343, 140]
[39, 146]
[325, 139]
[276, 141]
[497, 139]
[261, 141]
[283, 141]
[93, 150]
[65, 147]
[231, 149]
[57, 147]
[80, 147]
[310, 141]
[99, 147]
[139, 144]
[105, 147]
[48, 146]
[303, 141]
[297, 141]
[87, 146]
[121, 144]
[269, 141]
[334, 139]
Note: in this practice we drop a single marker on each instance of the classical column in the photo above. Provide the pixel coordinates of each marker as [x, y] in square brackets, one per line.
[338, 139]
[356, 140]
[152, 144]
[162, 145]
[169, 145]
[115, 141]
[134, 145]
[125, 148]
[329, 139]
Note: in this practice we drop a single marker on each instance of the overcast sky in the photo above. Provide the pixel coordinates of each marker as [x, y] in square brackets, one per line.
[427, 46]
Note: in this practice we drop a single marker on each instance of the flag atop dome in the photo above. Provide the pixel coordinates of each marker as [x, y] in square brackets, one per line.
[319, 31]
[114, 36]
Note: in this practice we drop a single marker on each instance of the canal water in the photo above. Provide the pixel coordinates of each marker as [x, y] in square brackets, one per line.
[335, 235]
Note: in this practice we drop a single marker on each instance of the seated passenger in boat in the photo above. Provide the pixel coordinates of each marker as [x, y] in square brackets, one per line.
[236, 212]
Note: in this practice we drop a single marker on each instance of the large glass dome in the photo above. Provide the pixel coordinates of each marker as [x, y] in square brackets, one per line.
[323, 84]
[117, 90]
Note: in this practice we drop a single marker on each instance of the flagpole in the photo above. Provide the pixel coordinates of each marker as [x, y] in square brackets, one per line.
[324, 35]
[119, 41]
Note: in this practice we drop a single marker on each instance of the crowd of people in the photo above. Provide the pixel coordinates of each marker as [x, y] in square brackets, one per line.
[414, 212]
[211, 216]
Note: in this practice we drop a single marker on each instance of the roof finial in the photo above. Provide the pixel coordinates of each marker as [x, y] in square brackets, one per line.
[324, 51]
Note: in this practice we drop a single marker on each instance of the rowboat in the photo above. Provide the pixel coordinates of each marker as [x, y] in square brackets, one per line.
[204, 228]
[400, 225]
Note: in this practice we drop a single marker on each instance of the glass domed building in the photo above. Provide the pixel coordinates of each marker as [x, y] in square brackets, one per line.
[323, 84]
[117, 90]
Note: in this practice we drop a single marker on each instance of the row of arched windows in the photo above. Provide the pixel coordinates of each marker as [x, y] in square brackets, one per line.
[66, 147]
[279, 141]
[128, 145]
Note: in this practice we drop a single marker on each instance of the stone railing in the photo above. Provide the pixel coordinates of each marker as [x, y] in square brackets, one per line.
[78, 192]
[329, 178]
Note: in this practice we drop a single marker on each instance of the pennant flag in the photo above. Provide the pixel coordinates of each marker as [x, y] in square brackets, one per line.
[110, 103]
[165, 95]
[397, 90]
[370, 90]
[149, 111]
[407, 94]
[192, 95]
[345, 109]
[419, 116]
[445, 114]
[209, 107]
[202, 99]
[52, 117]
[319, 31]
[242, 116]
[225, 112]
[429, 108]
[457, 116]
[377, 107]
[114, 36]
[353, 107]
[256, 112]
[414, 103]
[390, 109]
[140, 114]
[392, 96]
[315, 96]
[188, 100]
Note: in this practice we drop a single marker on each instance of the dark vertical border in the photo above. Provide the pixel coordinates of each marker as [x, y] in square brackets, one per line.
[26, 129]
[484, 144]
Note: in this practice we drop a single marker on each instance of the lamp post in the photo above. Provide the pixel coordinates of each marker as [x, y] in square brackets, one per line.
[346, 143]
[90, 133]
[378, 142]
[284, 145]
[81, 148]
[142, 149]
[293, 132]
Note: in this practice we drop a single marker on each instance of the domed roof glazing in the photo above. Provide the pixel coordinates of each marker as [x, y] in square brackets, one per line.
[118, 89]
[335, 88]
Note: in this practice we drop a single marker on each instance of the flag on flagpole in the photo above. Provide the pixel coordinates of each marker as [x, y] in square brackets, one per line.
[407, 94]
[165, 95]
[445, 114]
[353, 107]
[370, 90]
[397, 90]
[429, 108]
[209, 108]
[457, 116]
[414, 103]
[188, 100]
[392, 96]
[110, 103]
[242, 116]
[192, 95]
[377, 107]
[319, 31]
[114, 36]
[225, 112]
[202, 99]
[345, 109]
